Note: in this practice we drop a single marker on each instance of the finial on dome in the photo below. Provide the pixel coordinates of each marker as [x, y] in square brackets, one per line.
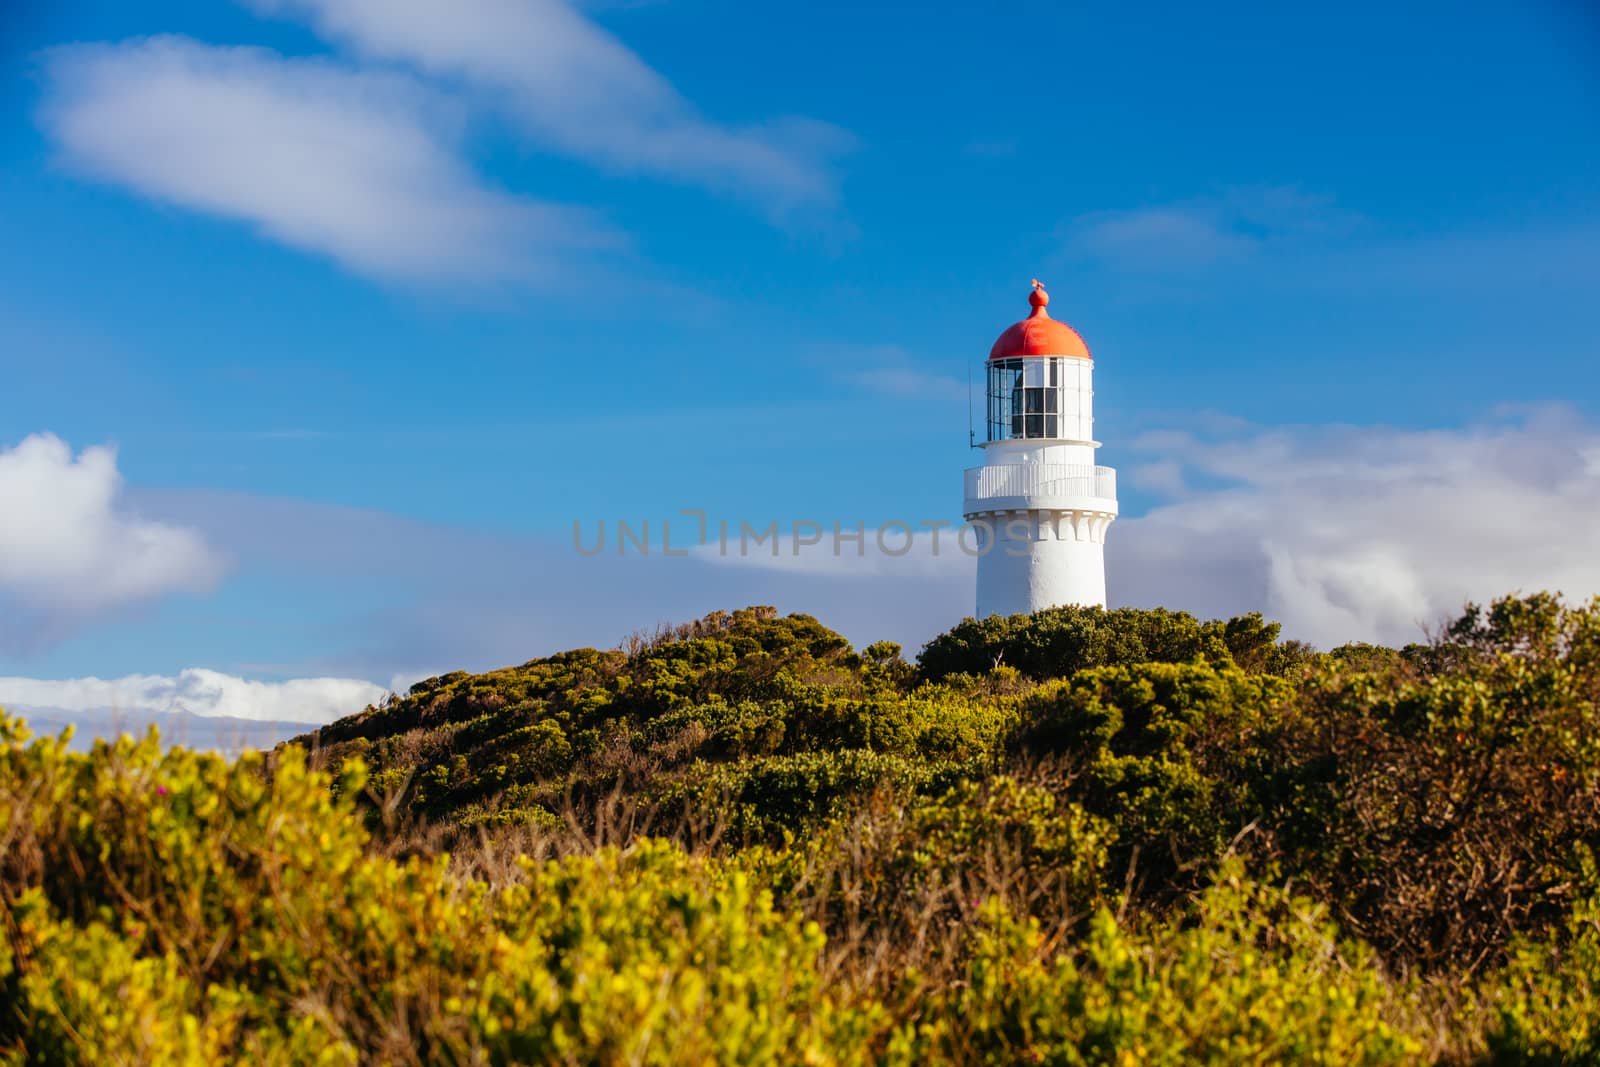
[1039, 298]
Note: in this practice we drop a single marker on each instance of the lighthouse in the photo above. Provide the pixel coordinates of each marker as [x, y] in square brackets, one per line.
[1039, 505]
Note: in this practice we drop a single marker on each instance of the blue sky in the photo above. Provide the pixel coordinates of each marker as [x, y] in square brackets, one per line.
[372, 302]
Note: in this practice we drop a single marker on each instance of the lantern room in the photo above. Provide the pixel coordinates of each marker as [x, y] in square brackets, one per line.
[1040, 380]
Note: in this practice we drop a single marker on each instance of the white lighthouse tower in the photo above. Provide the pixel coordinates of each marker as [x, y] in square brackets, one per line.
[1040, 505]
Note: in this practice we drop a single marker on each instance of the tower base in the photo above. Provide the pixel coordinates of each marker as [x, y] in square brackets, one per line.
[1035, 559]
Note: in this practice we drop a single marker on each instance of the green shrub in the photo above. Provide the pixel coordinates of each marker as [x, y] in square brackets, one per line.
[769, 798]
[1058, 642]
[1444, 813]
[1543, 1007]
[1171, 755]
[175, 908]
[931, 722]
[899, 880]
[1258, 976]
[727, 731]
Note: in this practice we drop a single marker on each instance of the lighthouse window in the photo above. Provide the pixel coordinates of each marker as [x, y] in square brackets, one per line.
[1027, 397]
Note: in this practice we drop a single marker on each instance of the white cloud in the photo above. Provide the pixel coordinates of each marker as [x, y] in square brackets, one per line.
[891, 370]
[1339, 532]
[1166, 234]
[1204, 230]
[197, 692]
[358, 166]
[70, 551]
[576, 88]
[1365, 533]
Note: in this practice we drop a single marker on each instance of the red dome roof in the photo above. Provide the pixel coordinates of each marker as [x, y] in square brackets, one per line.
[1039, 334]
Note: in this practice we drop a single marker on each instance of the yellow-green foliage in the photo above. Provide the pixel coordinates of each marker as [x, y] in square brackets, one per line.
[1058, 642]
[650, 957]
[513, 744]
[175, 908]
[1097, 838]
[902, 883]
[1543, 1007]
[1257, 976]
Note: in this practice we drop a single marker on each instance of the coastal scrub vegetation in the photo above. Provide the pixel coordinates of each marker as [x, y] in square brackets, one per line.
[1076, 837]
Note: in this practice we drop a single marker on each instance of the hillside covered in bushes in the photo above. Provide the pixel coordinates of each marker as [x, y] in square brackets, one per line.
[1077, 837]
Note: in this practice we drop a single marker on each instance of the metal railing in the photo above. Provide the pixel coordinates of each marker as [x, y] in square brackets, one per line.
[1038, 485]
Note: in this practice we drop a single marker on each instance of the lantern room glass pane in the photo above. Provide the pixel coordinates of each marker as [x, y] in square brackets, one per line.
[1033, 399]
[1003, 375]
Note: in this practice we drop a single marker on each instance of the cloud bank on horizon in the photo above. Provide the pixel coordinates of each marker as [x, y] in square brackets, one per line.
[1349, 533]
[197, 691]
[1341, 533]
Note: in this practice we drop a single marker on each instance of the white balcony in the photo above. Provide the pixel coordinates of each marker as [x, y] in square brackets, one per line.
[1024, 486]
